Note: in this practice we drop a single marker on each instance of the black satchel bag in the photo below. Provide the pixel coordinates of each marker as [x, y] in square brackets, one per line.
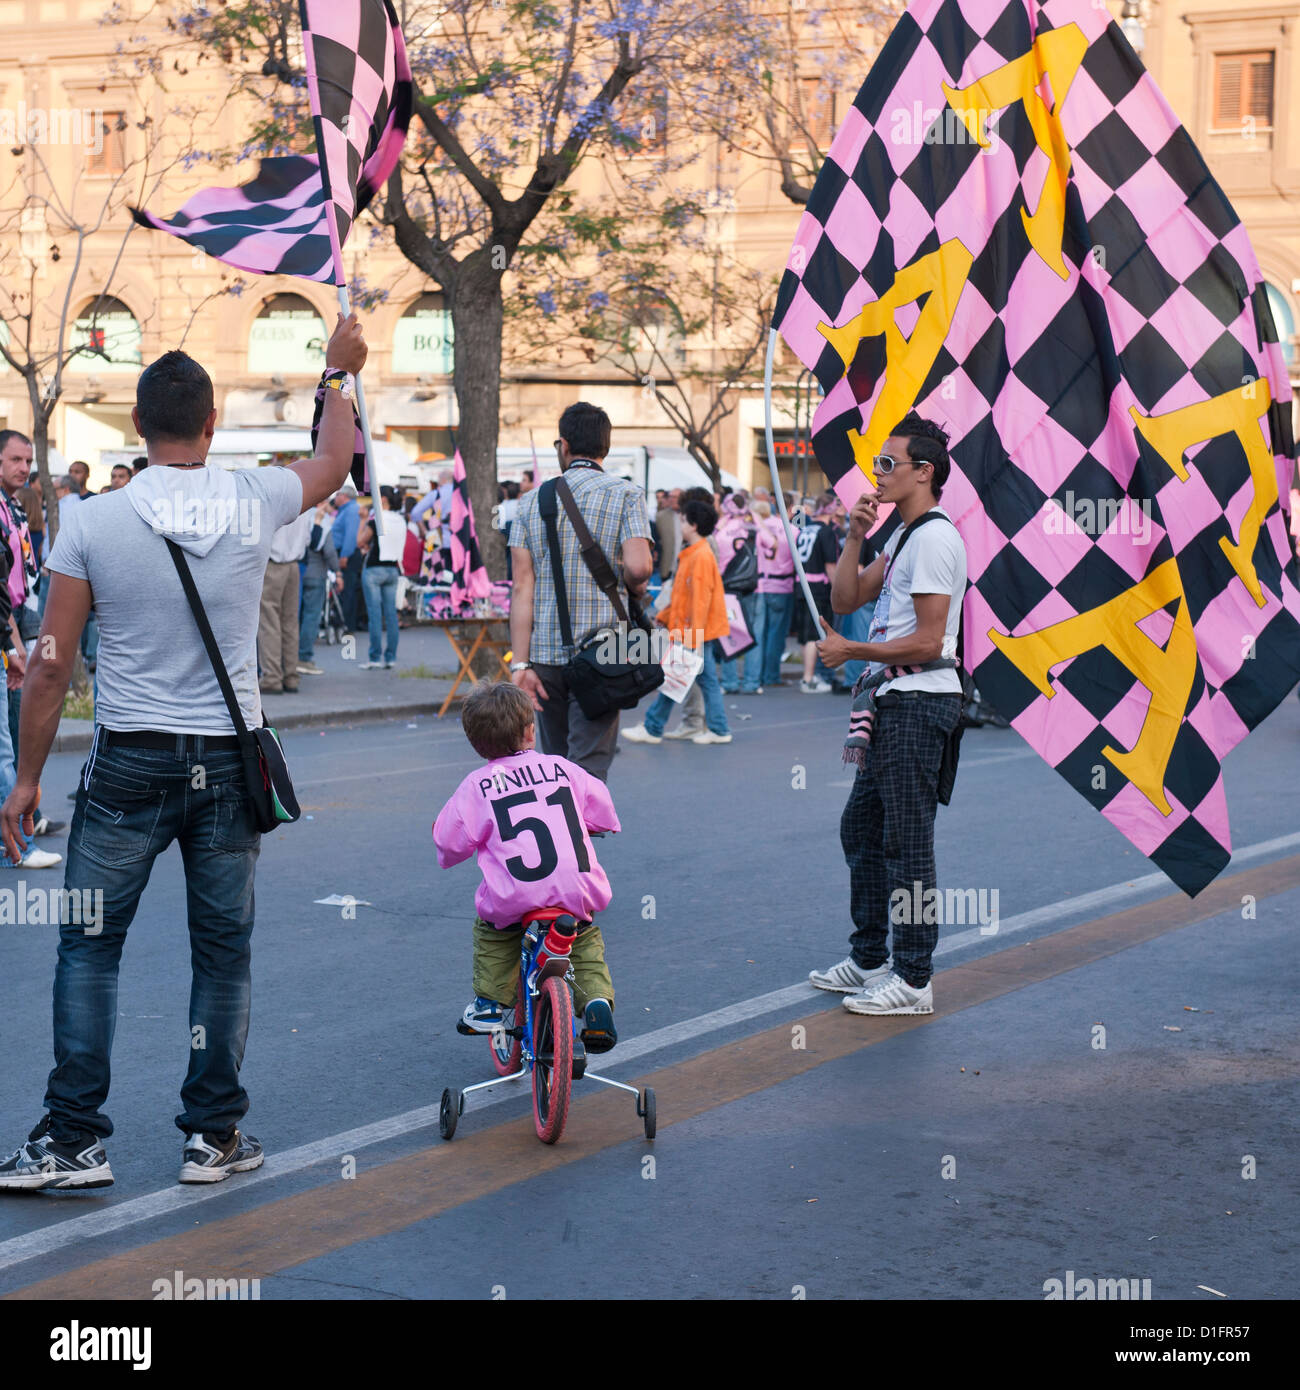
[740, 575]
[600, 686]
[265, 770]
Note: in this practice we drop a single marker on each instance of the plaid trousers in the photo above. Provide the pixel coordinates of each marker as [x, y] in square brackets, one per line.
[887, 833]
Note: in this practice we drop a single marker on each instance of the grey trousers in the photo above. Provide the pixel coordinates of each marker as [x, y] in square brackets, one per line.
[563, 729]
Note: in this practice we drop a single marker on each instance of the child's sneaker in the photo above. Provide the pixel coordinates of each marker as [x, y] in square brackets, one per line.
[598, 1030]
[482, 1015]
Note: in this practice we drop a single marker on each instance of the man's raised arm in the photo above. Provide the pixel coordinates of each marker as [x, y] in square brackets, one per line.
[323, 475]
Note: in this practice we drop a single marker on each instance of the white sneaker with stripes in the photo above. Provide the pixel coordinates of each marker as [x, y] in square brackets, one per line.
[891, 995]
[847, 977]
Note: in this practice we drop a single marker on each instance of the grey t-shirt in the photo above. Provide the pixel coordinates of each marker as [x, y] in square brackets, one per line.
[152, 669]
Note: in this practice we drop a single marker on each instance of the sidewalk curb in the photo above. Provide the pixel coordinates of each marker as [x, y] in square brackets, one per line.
[78, 740]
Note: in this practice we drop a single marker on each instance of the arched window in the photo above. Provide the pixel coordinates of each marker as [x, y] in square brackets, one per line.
[422, 340]
[287, 338]
[1283, 321]
[107, 338]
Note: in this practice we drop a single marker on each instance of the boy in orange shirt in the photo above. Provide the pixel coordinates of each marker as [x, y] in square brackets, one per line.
[698, 612]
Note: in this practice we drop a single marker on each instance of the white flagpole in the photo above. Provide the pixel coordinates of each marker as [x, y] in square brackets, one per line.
[776, 480]
[345, 306]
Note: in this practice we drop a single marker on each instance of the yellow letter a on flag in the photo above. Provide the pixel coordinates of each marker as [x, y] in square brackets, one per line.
[1168, 674]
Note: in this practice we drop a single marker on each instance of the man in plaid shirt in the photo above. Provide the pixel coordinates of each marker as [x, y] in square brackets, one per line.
[615, 513]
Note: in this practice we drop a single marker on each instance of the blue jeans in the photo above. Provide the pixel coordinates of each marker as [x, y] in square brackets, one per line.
[715, 713]
[138, 801]
[380, 585]
[313, 600]
[771, 624]
[729, 671]
[8, 765]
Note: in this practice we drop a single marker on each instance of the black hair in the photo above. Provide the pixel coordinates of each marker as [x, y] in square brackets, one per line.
[512, 492]
[138, 465]
[701, 515]
[174, 398]
[927, 442]
[586, 430]
[389, 494]
[696, 494]
[7, 435]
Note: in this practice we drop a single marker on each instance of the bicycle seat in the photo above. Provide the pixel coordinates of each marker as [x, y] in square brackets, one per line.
[549, 915]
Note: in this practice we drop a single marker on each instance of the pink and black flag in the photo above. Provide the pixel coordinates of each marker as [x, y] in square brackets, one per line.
[469, 577]
[1013, 234]
[359, 81]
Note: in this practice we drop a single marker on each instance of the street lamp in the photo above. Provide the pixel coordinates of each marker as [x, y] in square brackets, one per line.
[1131, 23]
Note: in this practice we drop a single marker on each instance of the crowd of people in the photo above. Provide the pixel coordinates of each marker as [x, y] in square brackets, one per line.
[333, 568]
[734, 544]
[175, 690]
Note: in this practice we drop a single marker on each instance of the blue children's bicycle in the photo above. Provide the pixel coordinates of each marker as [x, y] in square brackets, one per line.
[538, 1035]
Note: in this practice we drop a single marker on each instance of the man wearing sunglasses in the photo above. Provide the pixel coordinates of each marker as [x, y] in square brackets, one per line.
[887, 829]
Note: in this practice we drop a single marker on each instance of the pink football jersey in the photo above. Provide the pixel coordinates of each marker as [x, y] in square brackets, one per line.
[527, 817]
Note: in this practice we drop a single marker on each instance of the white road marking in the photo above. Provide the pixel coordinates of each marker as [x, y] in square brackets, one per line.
[136, 1210]
[1008, 757]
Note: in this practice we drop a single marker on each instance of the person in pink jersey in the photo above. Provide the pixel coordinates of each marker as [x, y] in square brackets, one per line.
[774, 601]
[529, 817]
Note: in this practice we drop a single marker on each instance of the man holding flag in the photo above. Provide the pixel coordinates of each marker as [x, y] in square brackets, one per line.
[1045, 262]
[909, 697]
[165, 764]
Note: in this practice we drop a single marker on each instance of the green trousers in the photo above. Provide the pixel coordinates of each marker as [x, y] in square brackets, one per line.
[496, 965]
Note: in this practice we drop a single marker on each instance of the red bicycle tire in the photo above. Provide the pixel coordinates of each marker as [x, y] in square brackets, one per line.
[508, 1065]
[553, 1083]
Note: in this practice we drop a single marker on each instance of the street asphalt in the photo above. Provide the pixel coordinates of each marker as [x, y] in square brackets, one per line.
[980, 1153]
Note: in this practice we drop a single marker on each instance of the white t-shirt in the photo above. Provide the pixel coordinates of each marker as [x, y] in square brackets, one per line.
[933, 562]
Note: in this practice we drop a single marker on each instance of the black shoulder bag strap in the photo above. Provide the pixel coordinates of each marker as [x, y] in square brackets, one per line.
[931, 515]
[210, 643]
[266, 774]
[549, 514]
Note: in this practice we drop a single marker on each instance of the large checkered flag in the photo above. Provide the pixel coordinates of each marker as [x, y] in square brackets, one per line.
[359, 83]
[1013, 234]
[469, 578]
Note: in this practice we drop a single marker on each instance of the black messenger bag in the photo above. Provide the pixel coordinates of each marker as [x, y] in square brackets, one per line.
[599, 686]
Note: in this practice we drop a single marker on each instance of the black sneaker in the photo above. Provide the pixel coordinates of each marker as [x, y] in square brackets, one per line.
[598, 1030]
[207, 1158]
[44, 1163]
[45, 826]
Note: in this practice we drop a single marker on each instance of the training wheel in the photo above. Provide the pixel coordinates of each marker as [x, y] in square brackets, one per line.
[647, 1112]
[453, 1105]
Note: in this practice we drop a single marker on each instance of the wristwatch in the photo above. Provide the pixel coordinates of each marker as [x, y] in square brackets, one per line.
[520, 666]
[336, 379]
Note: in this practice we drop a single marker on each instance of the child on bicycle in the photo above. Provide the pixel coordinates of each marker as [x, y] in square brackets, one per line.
[527, 816]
